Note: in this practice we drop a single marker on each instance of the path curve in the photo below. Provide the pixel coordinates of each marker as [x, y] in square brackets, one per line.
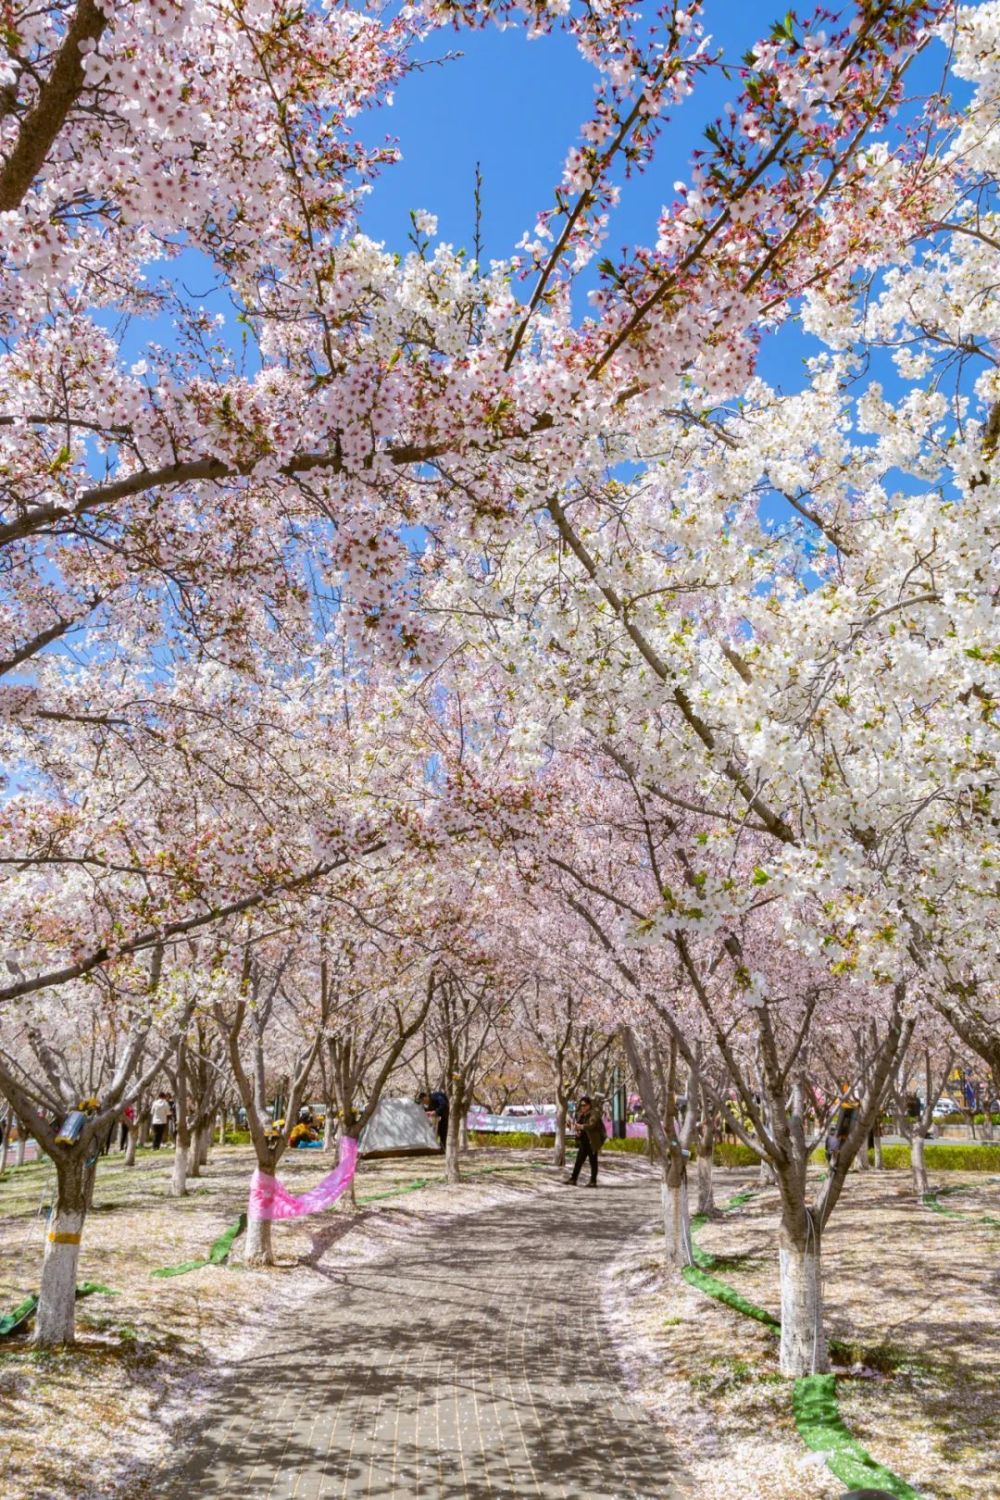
[471, 1364]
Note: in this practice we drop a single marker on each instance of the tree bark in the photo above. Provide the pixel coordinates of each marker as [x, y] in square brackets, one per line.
[921, 1182]
[328, 1133]
[55, 1321]
[453, 1140]
[22, 1144]
[559, 1147]
[182, 1143]
[803, 1340]
[131, 1143]
[4, 1146]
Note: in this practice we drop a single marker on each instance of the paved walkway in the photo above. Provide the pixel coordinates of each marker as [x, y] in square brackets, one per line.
[465, 1367]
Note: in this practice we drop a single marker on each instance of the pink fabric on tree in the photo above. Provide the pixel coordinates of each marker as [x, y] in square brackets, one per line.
[269, 1199]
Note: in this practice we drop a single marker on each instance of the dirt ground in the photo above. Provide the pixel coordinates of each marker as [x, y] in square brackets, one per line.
[913, 1292]
[90, 1423]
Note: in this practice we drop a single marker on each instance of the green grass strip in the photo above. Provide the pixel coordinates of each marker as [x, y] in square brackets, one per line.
[712, 1287]
[814, 1397]
[217, 1255]
[411, 1187]
[814, 1401]
[18, 1316]
[220, 1248]
[930, 1200]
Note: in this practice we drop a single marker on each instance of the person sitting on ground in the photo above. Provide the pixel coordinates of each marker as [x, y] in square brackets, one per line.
[590, 1137]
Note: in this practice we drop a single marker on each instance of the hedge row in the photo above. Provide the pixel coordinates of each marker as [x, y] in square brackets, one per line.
[727, 1154]
[942, 1156]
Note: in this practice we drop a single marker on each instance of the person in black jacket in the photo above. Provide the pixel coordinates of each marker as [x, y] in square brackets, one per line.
[437, 1103]
[590, 1137]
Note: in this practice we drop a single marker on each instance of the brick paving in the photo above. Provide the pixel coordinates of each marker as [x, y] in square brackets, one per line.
[472, 1364]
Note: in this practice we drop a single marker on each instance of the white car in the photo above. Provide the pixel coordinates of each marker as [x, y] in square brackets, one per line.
[946, 1106]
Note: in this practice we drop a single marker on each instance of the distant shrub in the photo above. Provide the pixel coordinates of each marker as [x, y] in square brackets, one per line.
[735, 1154]
[507, 1139]
[944, 1156]
[634, 1145]
[958, 1156]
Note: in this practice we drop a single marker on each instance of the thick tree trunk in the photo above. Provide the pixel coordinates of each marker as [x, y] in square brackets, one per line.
[259, 1250]
[453, 1142]
[328, 1130]
[4, 1146]
[706, 1180]
[879, 1162]
[144, 1128]
[676, 1220]
[803, 1339]
[131, 1144]
[921, 1182]
[55, 1321]
[22, 1145]
[765, 1176]
[559, 1147]
[463, 1129]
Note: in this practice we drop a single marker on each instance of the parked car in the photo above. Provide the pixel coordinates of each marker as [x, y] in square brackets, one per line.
[945, 1107]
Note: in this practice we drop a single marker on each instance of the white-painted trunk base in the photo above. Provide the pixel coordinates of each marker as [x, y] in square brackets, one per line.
[55, 1321]
[259, 1250]
[803, 1339]
[676, 1225]
[178, 1177]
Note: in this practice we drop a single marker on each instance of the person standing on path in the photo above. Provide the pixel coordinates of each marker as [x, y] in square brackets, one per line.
[590, 1137]
[159, 1115]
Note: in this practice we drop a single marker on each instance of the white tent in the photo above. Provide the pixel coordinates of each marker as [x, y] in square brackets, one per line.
[398, 1127]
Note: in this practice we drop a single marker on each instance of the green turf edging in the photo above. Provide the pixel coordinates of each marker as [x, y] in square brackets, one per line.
[16, 1319]
[712, 1287]
[411, 1187]
[821, 1428]
[217, 1255]
[18, 1316]
[814, 1397]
